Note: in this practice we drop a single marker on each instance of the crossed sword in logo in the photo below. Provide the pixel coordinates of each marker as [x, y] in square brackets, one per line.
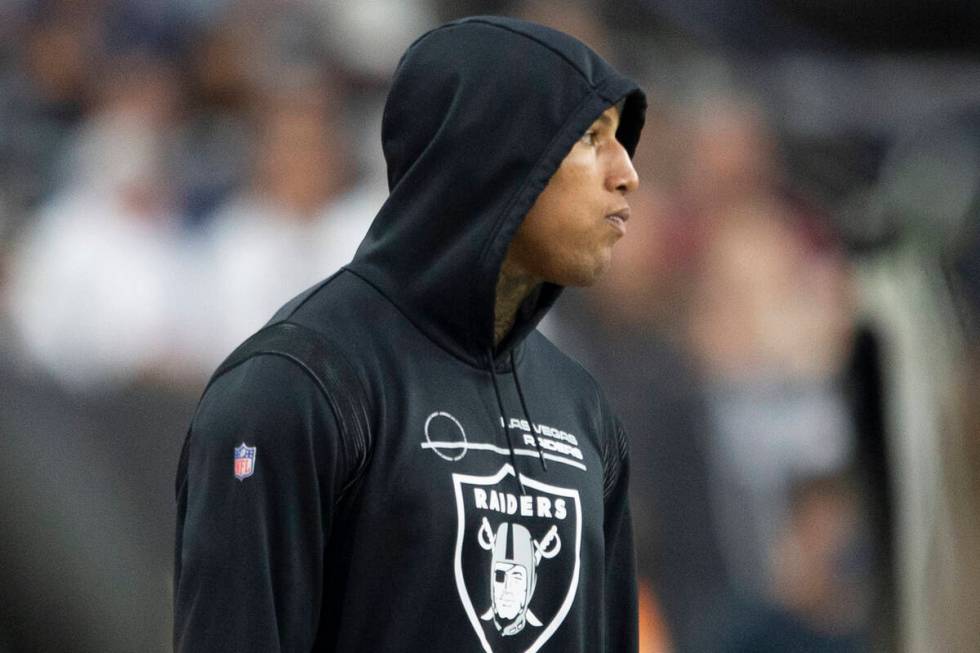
[548, 547]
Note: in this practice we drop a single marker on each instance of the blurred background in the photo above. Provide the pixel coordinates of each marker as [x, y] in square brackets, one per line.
[789, 331]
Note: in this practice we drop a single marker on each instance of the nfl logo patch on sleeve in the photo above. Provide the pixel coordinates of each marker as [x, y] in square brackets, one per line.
[244, 461]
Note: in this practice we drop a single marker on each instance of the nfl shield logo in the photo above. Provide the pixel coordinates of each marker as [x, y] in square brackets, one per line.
[244, 461]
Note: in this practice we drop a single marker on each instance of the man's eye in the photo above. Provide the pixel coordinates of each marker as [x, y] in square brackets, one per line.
[500, 576]
[589, 137]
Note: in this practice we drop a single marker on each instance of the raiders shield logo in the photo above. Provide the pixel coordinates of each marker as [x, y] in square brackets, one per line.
[517, 557]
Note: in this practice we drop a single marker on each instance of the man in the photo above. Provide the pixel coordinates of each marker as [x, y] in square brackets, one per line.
[362, 474]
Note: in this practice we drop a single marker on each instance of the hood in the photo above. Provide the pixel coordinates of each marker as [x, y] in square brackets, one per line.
[481, 113]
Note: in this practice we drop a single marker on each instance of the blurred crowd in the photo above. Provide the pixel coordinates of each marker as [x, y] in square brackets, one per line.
[788, 330]
[179, 172]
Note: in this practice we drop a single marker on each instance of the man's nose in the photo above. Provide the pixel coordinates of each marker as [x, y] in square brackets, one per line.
[622, 175]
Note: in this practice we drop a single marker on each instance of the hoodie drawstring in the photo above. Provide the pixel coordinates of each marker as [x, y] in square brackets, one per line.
[503, 421]
[527, 415]
[503, 417]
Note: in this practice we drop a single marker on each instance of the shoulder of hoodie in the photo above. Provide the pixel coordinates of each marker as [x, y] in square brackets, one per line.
[259, 397]
[271, 384]
[348, 310]
[355, 308]
[348, 300]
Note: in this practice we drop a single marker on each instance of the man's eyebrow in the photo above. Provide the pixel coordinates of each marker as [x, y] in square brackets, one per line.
[604, 119]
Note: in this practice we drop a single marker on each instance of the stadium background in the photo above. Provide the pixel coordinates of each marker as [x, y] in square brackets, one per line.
[789, 330]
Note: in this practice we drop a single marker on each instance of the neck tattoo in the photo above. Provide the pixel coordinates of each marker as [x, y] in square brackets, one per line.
[512, 289]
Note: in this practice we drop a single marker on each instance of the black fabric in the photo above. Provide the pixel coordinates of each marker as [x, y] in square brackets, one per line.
[378, 532]
[327, 366]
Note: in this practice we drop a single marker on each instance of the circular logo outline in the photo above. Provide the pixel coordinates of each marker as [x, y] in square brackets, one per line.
[435, 448]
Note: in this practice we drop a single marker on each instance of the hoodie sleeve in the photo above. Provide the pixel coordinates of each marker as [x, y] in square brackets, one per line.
[620, 564]
[250, 548]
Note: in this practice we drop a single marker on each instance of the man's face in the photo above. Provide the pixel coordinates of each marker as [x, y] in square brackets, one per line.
[568, 235]
[509, 589]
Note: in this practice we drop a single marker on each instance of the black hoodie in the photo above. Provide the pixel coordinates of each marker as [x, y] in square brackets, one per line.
[365, 473]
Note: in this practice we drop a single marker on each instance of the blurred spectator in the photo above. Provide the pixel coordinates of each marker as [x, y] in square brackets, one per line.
[95, 284]
[820, 577]
[220, 90]
[729, 158]
[368, 37]
[294, 224]
[820, 559]
[771, 326]
[44, 92]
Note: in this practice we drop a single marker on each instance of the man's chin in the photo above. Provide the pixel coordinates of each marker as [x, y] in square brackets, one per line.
[594, 275]
[508, 613]
[586, 276]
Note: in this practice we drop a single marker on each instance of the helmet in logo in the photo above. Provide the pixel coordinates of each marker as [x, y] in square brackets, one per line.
[513, 573]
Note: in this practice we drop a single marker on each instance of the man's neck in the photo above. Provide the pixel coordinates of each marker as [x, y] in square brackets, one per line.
[513, 287]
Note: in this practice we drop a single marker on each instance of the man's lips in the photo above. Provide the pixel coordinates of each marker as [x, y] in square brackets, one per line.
[617, 219]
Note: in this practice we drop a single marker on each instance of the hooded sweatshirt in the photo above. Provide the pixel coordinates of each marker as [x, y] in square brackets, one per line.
[370, 472]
